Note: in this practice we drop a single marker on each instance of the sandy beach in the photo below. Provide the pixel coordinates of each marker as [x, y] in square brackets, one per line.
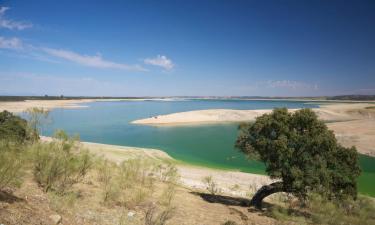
[20, 106]
[327, 112]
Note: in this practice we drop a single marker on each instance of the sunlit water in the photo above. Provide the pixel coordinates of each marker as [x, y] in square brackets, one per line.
[206, 145]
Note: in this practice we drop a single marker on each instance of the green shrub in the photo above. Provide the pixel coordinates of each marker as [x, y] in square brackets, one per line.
[136, 172]
[14, 128]
[60, 164]
[107, 172]
[346, 212]
[11, 164]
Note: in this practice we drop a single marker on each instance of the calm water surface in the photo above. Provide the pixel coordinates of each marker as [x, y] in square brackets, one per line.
[207, 145]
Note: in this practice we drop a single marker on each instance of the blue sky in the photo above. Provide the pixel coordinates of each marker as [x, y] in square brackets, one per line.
[179, 48]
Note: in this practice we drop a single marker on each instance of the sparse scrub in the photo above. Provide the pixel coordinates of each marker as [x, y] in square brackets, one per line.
[229, 222]
[106, 172]
[211, 185]
[346, 212]
[135, 172]
[61, 203]
[168, 195]
[60, 164]
[11, 164]
[154, 218]
[167, 172]
[319, 210]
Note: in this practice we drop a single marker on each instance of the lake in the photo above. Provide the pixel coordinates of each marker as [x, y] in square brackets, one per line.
[205, 145]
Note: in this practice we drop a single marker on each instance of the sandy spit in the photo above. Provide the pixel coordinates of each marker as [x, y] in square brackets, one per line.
[328, 112]
[353, 123]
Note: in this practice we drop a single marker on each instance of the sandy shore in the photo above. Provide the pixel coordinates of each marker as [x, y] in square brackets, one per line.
[327, 112]
[46, 104]
[190, 176]
[353, 123]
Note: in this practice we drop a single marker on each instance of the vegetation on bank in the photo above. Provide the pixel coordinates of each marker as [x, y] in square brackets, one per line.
[146, 187]
[62, 97]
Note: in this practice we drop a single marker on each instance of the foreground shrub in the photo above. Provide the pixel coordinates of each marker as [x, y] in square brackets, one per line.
[349, 212]
[107, 172]
[11, 164]
[60, 164]
[319, 210]
[158, 218]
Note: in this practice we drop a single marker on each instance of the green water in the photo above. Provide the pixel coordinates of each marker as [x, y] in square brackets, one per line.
[205, 145]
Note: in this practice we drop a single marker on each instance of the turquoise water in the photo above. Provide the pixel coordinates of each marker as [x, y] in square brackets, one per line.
[206, 145]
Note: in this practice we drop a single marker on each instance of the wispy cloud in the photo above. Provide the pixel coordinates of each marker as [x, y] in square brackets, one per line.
[91, 61]
[11, 24]
[290, 84]
[160, 60]
[11, 43]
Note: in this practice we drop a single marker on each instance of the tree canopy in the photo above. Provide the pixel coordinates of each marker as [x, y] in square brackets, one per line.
[299, 151]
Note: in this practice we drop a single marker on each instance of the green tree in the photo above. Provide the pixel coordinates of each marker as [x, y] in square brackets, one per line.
[14, 128]
[301, 153]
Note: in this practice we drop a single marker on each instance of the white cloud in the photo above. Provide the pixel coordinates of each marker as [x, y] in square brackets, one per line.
[290, 84]
[91, 61]
[10, 43]
[160, 60]
[11, 24]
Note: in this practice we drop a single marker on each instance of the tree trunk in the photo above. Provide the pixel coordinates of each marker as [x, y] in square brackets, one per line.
[265, 191]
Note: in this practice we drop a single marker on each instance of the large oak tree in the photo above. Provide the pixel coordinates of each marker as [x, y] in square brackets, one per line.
[301, 154]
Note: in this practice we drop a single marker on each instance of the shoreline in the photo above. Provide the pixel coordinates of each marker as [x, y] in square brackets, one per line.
[229, 180]
[191, 175]
[353, 123]
[326, 112]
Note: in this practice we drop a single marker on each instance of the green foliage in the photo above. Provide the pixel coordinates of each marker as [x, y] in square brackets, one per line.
[107, 172]
[300, 150]
[36, 118]
[319, 210]
[11, 164]
[348, 212]
[14, 134]
[14, 128]
[60, 164]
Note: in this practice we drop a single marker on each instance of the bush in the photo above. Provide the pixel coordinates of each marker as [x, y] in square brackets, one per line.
[211, 185]
[154, 218]
[14, 128]
[348, 212]
[106, 176]
[319, 210]
[60, 164]
[11, 164]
